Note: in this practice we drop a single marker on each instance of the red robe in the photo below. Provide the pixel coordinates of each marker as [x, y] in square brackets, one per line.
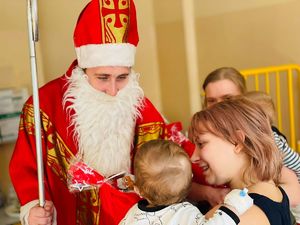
[85, 207]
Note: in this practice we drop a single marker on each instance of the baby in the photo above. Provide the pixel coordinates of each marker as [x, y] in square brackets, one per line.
[163, 176]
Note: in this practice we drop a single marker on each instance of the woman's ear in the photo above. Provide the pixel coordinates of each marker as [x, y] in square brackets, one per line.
[238, 148]
[241, 137]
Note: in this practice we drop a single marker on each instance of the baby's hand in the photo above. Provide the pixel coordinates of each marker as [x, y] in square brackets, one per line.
[239, 200]
[126, 183]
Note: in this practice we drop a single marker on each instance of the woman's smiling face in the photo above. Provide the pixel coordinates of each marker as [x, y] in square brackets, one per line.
[217, 157]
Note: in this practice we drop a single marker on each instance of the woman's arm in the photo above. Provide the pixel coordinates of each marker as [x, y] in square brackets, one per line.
[289, 182]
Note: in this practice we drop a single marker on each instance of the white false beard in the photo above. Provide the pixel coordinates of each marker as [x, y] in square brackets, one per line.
[103, 125]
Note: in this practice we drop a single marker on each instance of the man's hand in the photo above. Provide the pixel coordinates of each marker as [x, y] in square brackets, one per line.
[40, 215]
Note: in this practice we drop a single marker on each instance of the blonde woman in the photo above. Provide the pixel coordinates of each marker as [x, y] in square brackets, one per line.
[221, 84]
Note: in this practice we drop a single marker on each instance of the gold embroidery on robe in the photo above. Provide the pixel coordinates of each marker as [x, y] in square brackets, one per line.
[59, 157]
[149, 131]
[88, 207]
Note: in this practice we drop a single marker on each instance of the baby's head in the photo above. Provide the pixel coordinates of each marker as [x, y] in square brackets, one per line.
[265, 101]
[163, 172]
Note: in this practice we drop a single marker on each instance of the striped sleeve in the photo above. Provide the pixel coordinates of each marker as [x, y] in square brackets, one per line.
[291, 159]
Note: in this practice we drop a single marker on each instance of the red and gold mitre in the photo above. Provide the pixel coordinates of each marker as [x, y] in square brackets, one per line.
[106, 34]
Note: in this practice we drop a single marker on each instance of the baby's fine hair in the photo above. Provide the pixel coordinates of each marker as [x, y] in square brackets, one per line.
[231, 118]
[163, 172]
[265, 101]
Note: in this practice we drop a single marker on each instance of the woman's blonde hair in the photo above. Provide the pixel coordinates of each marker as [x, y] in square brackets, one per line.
[227, 120]
[228, 73]
[265, 101]
[163, 172]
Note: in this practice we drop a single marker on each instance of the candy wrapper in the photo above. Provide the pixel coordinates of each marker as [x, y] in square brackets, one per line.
[81, 177]
[174, 134]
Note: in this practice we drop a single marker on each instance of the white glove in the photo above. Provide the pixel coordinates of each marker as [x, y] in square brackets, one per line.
[239, 199]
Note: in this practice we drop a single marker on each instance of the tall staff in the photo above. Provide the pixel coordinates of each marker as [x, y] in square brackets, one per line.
[32, 19]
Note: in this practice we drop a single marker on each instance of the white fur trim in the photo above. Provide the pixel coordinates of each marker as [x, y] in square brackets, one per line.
[24, 212]
[94, 55]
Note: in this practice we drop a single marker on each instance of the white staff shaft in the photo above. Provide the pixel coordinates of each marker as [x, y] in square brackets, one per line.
[32, 34]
